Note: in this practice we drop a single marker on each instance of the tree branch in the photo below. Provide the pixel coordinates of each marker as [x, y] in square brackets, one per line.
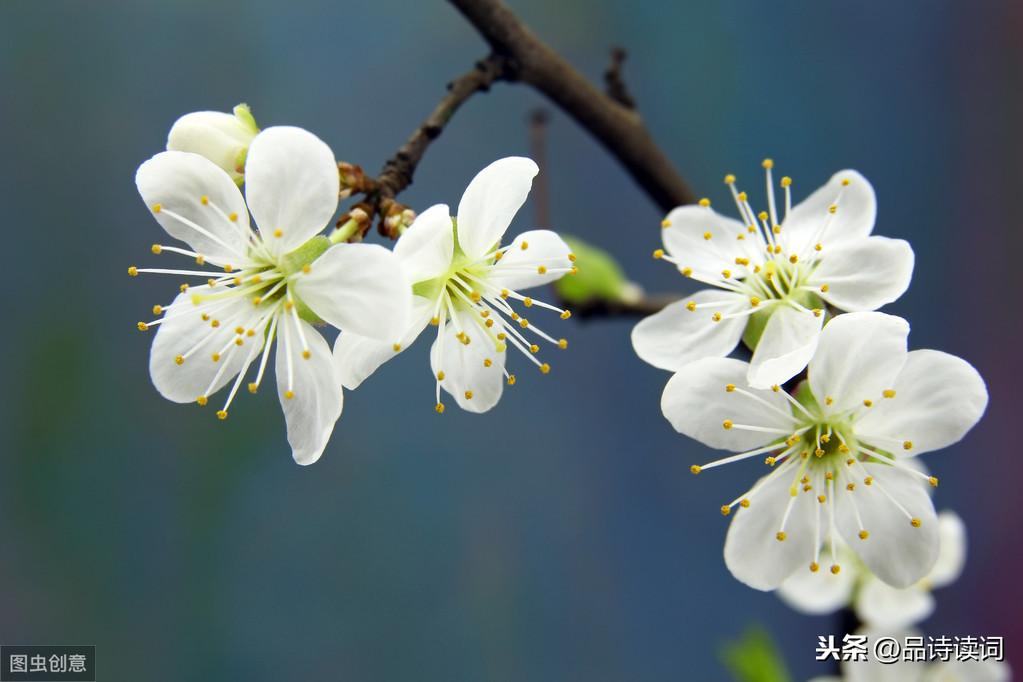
[617, 127]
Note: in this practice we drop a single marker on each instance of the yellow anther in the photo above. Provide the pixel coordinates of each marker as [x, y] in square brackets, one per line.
[742, 261]
[502, 336]
[729, 387]
[725, 510]
[868, 403]
[907, 445]
[157, 208]
[288, 305]
[832, 208]
[278, 233]
[489, 323]
[708, 236]
[133, 271]
[233, 217]
[239, 341]
[751, 228]
[729, 179]
[183, 288]
[256, 279]
[825, 438]
[829, 475]
[306, 269]
[214, 323]
[288, 395]
[468, 395]
[571, 257]
[475, 296]
[818, 246]
[658, 254]
[888, 393]
[793, 258]
[850, 461]
[237, 281]
[691, 306]
[523, 323]
[828, 400]
[776, 229]
[818, 452]
[716, 317]
[915, 522]
[511, 379]
[222, 415]
[179, 359]
[864, 535]
[239, 330]
[822, 498]
[545, 368]
[435, 321]
[498, 256]
[534, 348]
[665, 223]
[487, 362]
[744, 503]
[256, 300]
[726, 273]
[775, 388]
[439, 407]
[869, 480]
[205, 317]
[727, 424]
[562, 344]
[933, 480]
[396, 347]
[142, 326]
[204, 199]
[767, 163]
[780, 536]
[686, 272]
[695, 469]
[777, 249]
[253, 387]
[441, 375]
[770, 461]
[824, 288]
[845, 182]
[156, 249]
[524, 245]
[215, 357]
[229, 268]
[211, 283]
[527, 301]
[754, 301]
[306, 354]
[705, 202]
[574, 270]
[565, 314]
[201, 400]
[835, 569]
[850, 487]
[504, 293]
[743, 197]
[814, 567]
[843, 448]
[484, 313]
[786, 181]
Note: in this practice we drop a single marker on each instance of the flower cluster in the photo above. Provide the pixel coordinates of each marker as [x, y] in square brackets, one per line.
[281, 282]
[832, 401]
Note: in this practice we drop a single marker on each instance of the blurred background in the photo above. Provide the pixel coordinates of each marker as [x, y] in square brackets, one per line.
[560, 536]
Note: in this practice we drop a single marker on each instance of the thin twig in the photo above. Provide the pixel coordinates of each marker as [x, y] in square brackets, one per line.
[615, 82]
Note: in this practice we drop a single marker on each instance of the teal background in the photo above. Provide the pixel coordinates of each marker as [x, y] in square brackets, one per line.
[560, 536]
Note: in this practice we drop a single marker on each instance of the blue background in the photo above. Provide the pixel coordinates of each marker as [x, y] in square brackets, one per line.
[560, 536]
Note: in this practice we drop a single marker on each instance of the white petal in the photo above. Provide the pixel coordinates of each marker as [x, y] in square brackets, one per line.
[427, 246]
[969, 671]
[885, 607]
[811, 221]
[952, 553]
[864, 274]
[686, 239]
[676, 336]
[818, 592]
[753, 552]
[292, 184]
[896, 551]
[317, 401]
[697, 404]
[873, 671]
[218, 136]
[786, 346]
[173, 185]
[859, 355]
[359, 288]
[183, 331]
[491, 201]
[520, 268]
[464, 366]
[938, 399]
[357, 356]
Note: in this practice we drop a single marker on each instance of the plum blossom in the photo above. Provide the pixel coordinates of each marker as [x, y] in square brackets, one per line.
[222, 138]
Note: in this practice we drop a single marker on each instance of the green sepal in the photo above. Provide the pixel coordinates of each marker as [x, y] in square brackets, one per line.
[599, 275]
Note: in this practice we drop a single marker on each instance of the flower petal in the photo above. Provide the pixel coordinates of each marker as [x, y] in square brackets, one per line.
[219, 136]
[357, 356]
[675, 336]
[184, 333]
[706, 241]
[475, 386]
[491, 201]
[697, 403]
[786, 346]
[969, 671]
[864, 274]
[291, 183]
[173, 185]
[359, 288]
[858, 356]
[427, 246]
[316, 387]
[897, 551]
[872, 670]
[753, 553]
[811, 222]
[938, 398]
[818, 592]
[887, 608]
[952, 553]
[544, 260]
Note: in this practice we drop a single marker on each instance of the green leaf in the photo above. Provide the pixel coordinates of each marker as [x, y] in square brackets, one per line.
[600, 277]
[754, 658]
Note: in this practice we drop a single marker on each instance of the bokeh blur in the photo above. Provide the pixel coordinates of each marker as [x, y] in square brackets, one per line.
[560, 536]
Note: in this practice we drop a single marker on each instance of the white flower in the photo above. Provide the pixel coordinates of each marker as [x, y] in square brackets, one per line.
[839, 449]
[265, 285]
[465, 284]
[878, 604]
[772, 279]
[222, 138]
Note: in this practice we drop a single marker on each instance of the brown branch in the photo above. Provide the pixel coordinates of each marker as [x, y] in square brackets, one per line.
[615, 126]
[614, 81]
[647, 305]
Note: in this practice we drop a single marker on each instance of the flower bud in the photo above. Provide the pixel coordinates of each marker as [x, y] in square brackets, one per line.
[220, 137]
